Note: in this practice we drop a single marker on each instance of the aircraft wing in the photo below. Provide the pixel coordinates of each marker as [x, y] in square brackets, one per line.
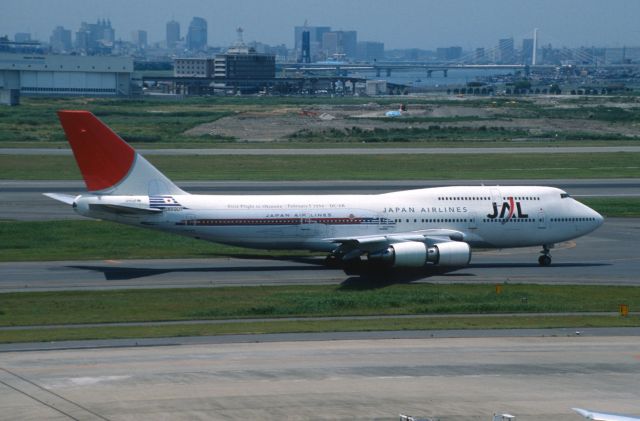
[430, 236]
[369, 243]
[601, 416]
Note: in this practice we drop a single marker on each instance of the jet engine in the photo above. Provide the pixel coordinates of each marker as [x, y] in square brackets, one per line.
[414, 254]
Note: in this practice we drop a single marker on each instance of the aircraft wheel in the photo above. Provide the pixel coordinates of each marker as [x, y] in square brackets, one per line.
[544, 260]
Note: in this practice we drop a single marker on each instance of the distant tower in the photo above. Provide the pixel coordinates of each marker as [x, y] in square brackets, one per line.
[240, 40]
[197, 34]
[306, 47]
[535, 46]
[60, 39]
[173, 33]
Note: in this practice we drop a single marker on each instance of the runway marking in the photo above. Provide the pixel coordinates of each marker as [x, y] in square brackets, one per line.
[115, 262]
[87, 381]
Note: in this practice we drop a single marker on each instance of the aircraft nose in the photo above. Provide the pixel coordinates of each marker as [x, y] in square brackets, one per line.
[599, 218]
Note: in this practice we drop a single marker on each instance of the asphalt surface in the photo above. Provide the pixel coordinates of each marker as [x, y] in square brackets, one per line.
[607, 256]
[348, 151]
[357, 376]
[23, 200]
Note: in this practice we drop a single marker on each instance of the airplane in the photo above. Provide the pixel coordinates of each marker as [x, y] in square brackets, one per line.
[396, 113]
[601, 416]
[393, 113]
[363, 234]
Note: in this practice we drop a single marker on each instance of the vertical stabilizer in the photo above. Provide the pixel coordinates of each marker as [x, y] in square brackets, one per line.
[107, 163]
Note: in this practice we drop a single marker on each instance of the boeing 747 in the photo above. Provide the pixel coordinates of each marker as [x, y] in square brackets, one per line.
[413, 229]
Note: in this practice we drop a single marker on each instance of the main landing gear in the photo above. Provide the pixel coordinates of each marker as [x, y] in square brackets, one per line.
[545, 259]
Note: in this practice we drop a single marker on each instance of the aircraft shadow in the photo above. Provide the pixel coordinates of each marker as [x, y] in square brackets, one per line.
[533, 265]
[382, 280]
[127, 273]
[364, 281]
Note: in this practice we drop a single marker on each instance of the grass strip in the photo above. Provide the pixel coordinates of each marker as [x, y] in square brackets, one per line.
[497, 322]
[100, 240]
[364, 299]
[366, 167]
[614, 206]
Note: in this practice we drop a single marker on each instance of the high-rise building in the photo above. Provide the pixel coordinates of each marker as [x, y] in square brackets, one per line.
[340, 43]
[305, 57]
[197, 34]
[94, 38]
[507, 52]
[60, 39]
[370, 50]
[139, 38]
[173, 33]
[22, 37]
[315, 40]
[449, 53]
[527, 51]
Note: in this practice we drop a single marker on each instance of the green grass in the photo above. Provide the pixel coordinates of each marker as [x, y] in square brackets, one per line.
[367, 167]
[88, 239]
[366, 299]
[614, 206]
[162, 123]
[497, 322]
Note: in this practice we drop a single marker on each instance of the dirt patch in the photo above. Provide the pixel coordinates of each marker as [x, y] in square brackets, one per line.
[281, 123]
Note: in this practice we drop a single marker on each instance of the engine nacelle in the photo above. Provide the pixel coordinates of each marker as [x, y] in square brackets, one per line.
[414, 254]
[451, 253]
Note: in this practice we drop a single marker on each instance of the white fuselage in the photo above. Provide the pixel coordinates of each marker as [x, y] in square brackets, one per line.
[489, 217]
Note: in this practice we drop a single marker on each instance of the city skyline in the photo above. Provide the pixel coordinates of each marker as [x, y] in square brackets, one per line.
[414, 23]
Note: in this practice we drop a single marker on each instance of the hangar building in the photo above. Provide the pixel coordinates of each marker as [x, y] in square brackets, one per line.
[65, 75]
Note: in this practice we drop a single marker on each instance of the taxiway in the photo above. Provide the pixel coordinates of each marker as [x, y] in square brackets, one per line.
[607, 256]
[450, 377]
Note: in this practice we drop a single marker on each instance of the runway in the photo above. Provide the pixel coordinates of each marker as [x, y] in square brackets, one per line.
[23, 200]
[607, 256]
[349, 151]
[449, 378]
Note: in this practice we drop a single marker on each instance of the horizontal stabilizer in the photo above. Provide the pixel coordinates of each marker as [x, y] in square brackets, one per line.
[64, 198]
[121, 209]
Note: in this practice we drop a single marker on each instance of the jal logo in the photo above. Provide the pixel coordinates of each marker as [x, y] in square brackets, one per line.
[507, 211]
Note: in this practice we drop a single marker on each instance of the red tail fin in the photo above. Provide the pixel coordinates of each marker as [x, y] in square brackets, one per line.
[103, 157]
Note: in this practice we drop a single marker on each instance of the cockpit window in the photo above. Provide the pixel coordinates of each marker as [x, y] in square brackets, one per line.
[564, 195]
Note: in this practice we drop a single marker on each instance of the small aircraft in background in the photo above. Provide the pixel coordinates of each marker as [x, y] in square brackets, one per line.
[602, 416]
[396, 113]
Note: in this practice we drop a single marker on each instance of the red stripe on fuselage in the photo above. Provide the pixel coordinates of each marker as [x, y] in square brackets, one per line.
[512, 207]
[103, 157]
[269, 221]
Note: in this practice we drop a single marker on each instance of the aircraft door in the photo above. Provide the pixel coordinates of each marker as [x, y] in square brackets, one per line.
[542, 220]
[495, 196]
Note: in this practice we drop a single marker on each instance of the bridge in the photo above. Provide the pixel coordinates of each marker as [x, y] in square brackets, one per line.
[343, 68]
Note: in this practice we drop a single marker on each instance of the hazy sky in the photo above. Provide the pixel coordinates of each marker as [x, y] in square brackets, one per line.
[398, 23]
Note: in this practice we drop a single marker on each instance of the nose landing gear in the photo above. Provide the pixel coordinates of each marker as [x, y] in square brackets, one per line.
[545, 259]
